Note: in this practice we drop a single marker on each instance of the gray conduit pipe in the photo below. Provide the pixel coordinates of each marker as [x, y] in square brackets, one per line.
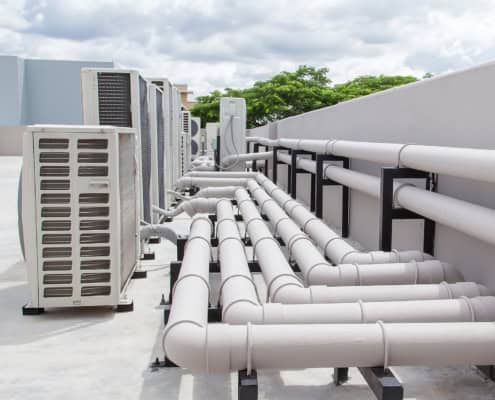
[283, 286]
[194, 344]
[240, 302]
[316, 270]
[334, 246]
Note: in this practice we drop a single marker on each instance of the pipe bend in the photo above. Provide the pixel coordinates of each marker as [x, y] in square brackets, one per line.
[241, 311]
[291, 293]
[184, 344]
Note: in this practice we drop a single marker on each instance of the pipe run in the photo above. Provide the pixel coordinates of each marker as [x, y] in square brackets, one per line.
[236, 158]
[316, 270]
[192, 343]
[462, 162]
[202, 182]
[158, 230]
[337, 249]
[190, 207]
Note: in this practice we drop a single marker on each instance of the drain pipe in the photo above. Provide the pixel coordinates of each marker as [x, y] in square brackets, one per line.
[240, 302]
[334, 246]
[283, 286]
[188, 182]
[194, 344]
[316, 270]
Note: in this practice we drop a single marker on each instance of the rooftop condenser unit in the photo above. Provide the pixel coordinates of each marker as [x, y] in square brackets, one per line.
[80, 214]
[120, 98]
[185, 144]
[195, 137]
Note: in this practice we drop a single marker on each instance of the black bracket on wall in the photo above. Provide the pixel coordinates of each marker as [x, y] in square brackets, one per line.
[256, 149]
[217, 154]
[322, 181]
[388, 212]
[295, 171]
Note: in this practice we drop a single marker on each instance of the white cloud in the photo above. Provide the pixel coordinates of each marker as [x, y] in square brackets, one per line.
[218, 43]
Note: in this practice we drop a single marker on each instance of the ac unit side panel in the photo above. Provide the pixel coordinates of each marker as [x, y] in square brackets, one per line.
[145, 131]
[161, 147]
[153, 120]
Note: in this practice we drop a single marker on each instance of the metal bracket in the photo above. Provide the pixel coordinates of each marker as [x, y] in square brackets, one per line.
[148, 256]
[340, 376]
[28, 310]
[388, 212]
[322, 181]
[383, 383]
[295, 171]
[247, 385]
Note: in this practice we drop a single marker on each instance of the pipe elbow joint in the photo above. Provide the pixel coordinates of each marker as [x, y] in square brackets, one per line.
[242, 311]
[184, 344]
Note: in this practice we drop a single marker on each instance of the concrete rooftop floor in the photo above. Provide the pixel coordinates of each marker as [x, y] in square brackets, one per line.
[98, 354]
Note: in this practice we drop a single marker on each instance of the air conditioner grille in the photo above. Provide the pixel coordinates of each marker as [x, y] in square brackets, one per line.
[94, 212]
[56, 225]
[95, 198]
[54, 170]
[57, 279]
[93, 171]
[58, 265]
[56, 239]
[95, 251]
[57, 252]
[95, 277]
[55, 212]
[88, 238]
[53, 143]
[114, 99]
[92, 157]
[61, 184]
[98, 144]
[55, 198]
[58, 292]
[95, 264]
[94, 225]
[95, 290]
[55, 158]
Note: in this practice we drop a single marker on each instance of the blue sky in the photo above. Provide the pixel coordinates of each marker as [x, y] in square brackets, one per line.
[218, 43]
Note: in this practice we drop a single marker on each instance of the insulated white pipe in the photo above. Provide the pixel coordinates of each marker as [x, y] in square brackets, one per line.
[192, 343]
[334, 246]
[235, 158]
[221, 174]
[283, 285]
[157, 230]
[316, 270]
[187, 182]
[190, 207]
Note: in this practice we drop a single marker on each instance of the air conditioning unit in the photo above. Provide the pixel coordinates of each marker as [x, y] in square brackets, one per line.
[170, 138]
[196, 140]
[155, 103]
[211, 138]
[119, 97]
[185, 153]
[232, 129]
[176, 132]
[80, 214]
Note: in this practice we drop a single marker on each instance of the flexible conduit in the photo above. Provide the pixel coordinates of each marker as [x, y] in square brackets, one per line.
[192, 343]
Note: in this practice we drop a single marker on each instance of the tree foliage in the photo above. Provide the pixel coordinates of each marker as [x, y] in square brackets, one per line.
[292, 93]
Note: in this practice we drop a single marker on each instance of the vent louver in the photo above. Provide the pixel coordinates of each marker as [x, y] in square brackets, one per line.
[114, 99]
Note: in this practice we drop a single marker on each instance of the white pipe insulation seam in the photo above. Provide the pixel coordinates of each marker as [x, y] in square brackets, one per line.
[192, 343]
[283, 285]
[334, 246]
[241, 304]
[316, 270]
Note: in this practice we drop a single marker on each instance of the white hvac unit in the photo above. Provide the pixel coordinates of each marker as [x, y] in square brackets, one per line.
[119, 97]
[196, 140]
[170, 139]
[211, 138]
[176, 132]
[80, 214]
[157, 129]
[185, 152]
[232, 130]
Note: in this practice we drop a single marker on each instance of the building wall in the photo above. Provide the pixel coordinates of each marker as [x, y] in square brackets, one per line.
[450, 110]
[38, 92]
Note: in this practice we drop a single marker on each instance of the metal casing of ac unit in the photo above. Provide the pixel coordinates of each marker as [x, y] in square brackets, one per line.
[80, 213]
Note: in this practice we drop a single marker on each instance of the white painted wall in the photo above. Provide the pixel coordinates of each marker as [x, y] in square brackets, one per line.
[451, 110]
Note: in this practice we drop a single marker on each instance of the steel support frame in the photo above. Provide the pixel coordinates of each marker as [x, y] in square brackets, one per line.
[322, 181]
[388, 211]
[256, 149]
[295, 171]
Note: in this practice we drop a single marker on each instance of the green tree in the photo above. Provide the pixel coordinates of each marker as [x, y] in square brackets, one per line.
[291, 93]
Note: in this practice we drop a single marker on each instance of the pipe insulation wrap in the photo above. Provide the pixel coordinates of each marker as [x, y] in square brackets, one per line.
[223, 174]
[235, 158]
[188, 182]
[162, 231]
